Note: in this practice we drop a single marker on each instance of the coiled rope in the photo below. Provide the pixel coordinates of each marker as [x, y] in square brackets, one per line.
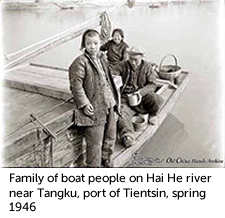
[131, 3]
[106, 27]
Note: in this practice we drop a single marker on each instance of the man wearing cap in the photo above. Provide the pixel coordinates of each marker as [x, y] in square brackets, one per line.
[138, 77]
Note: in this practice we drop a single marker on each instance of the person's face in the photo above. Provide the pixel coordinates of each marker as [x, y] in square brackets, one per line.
[92, 44]
[135, 61]
[117, 38]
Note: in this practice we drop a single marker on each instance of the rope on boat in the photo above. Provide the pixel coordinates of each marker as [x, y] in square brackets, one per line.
[56, 106]
[131, 3]
[106, 27]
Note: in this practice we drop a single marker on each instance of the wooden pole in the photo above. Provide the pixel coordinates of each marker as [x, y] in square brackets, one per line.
[75, 32]
[17, 53]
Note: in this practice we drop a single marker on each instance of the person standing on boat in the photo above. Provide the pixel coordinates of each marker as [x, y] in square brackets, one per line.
[138, 78]
[95, 100]
[116, 48]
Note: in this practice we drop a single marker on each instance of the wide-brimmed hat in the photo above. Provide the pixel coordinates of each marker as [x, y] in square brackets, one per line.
[135, 50]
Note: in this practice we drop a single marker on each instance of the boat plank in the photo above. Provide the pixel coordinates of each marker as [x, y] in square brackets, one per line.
[16, 148]
[67, 149]
[48, 66]
[35, 78]
[166, 96]
[17, 113]
[62, 122]
[36, 155]
[46, 91]
[42, 84]
[31, 102]
[45, 71]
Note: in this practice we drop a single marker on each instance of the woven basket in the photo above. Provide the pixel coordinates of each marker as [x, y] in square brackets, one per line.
[169, 72]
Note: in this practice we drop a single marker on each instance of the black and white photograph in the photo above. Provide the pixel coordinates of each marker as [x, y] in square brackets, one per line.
[112, 84]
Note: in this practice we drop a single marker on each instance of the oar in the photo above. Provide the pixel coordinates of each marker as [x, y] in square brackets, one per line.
[166, 82]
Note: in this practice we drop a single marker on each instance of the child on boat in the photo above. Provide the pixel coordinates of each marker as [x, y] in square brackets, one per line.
[95, 100]
[116, 48]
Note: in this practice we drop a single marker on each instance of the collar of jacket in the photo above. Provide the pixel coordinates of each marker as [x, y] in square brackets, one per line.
[117, 44]
[100, 55]
[129, 74]
[139, 66]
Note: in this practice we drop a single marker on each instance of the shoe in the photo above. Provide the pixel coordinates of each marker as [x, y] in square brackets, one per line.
[107, 163]
[128, 141]
[153, 120]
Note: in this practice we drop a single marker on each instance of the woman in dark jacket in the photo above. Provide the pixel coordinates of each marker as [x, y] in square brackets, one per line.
[116, 48]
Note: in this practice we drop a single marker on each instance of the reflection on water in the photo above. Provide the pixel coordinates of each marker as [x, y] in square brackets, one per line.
[190, 31]
[165, 143]
[167, 148]
[168, 139]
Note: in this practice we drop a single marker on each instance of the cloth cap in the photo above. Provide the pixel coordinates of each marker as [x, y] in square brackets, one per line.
[135, 50]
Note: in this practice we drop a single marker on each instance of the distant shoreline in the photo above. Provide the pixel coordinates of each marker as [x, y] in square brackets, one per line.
[17, 5]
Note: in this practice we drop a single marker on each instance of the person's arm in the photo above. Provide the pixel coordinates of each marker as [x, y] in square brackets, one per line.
[105, 47]
[151, 82]
[76, 77]
[117, 70]
[125, 53]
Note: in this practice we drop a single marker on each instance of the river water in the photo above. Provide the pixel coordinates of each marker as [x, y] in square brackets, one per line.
[193, 129]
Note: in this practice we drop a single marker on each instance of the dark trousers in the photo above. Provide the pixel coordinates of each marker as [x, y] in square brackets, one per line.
[100, 140]
[150, 104]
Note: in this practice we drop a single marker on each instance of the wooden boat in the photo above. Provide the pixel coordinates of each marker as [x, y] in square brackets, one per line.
[38, 111]
[39, 119]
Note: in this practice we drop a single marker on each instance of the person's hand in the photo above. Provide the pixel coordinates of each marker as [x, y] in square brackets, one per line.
[89, 110]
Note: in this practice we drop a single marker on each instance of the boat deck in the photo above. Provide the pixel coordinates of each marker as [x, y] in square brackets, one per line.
[35, 89]
[18, 105]
[45, 80]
